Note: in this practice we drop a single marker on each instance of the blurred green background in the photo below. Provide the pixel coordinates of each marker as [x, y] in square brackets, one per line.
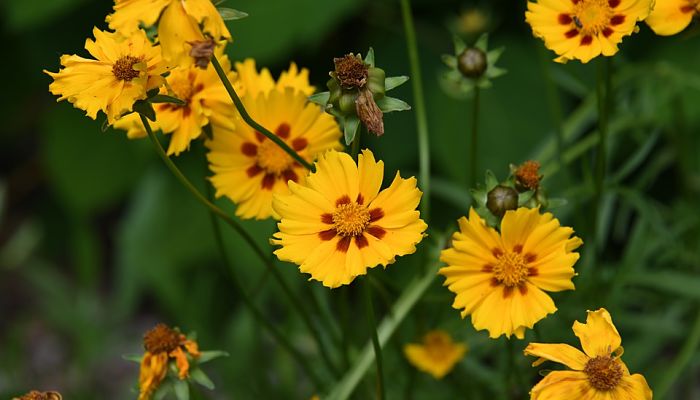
[98, 242]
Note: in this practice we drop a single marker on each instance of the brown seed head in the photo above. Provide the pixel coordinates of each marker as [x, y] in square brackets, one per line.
[604, 373]
[35, 395]
[123, 68]
[161, 339]
[527, 175]
[369, 112]
[351, 71]
[202, 51]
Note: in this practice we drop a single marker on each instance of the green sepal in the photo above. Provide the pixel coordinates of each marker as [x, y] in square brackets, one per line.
[206, 356]
[346, 103]
[459, 44]
[152, 93]
[350, 128]
[320, 98]
[230, 14]
[449, 60]
[163, 390]
[393, 82]
[369, 58]
[198, 376]
[480, 196]
[391, 104]
[133, 357]
[491, 181]
[145, 108]
[376, 81]
[181, 389]
[525, 197]
[164, 98]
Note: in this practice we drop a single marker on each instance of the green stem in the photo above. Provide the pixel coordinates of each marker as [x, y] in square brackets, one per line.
[684, 357]
[375, 340]
[604, 97]
[257, 314]
[245, 235]
[475, 137]
[421, 114]
[250, 121]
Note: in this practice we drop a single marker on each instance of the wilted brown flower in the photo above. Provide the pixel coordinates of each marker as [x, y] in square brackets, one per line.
[369, 113]
[351, 71]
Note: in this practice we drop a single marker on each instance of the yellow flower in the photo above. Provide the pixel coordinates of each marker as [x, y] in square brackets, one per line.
[597, 374]
[125, 68]
[35, 395]
[584, 29]
[672, 16]
[206, 102]
[178, 23]
[338, 224]
[437, 355]
[500, 279]
[163, 344]
[248, 167]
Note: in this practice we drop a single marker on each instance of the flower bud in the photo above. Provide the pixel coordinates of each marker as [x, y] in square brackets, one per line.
[501, 199]
[472, 63]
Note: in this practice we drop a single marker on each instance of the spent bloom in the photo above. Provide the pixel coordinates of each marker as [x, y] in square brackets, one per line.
[436, 355]
[36, 395]
[338, 223]
[163, 344]
[500, 279]
[123, 71]
[596, 373]
[585, 29]
[672, 16]
[248, 167]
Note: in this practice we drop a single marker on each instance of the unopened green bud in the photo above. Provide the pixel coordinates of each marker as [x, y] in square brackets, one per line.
[472, 63]
[346, 103]
[501, 199]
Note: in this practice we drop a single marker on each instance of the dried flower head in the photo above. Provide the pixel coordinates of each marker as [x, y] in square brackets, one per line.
[161, 339]
[202, 51]
[351, 71]
[369, 112]
[527, 175]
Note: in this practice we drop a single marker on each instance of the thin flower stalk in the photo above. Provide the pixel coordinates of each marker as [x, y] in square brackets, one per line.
[381, 391]
[475, 137]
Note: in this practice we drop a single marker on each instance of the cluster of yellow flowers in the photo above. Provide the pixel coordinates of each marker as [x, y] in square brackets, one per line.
[336, 222]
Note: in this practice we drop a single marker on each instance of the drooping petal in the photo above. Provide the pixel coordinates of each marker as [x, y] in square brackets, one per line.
[670, 17]
[598, 335]
[560, 353]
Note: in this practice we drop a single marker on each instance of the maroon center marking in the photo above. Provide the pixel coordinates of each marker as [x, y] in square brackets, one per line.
[186, 111]
[494, 282]
[529, 257]
[259, 136]
[507, 291]
[342, 200]
[613, 3]
[687, 9]
[198, 88]
[249, 149]
[487, 268]
[496, 252]
[518, 248]
[360, 200]
[361, 241]
[268, 181]
[532, 271]
[289, 175]
[523, 289]
[376, 231]
[565, 19]
[283, 130]
[607, 32]
[327, 235]
[299, 144]
[327, 218]
[586, 40]
[344, 244]
[617, 19]
[376, 214]
[571, 33]
[254, 170]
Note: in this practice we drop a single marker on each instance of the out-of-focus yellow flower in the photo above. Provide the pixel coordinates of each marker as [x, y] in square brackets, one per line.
[597, 374]
[163, 344]
[672, 16]
[123, 70]
[337, 224]
[500, 279]
[35, 395]
[436, 355]
[585, 29]
[179, 23]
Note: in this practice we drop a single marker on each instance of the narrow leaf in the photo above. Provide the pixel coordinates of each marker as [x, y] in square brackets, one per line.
[164, 98]
[394, 82]
[230, 14]
[206, 356]
[201, 378]
[133, 357]
[369, 58]
[320, 98]
[491, 181]
[352, 123]
[181, 389]
[459, 44]
[390, 104]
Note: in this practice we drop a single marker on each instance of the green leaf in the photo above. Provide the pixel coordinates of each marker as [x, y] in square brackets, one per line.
[391, 104]
[320, 98]
[230, 14]
[675, 283]
[146, 109]
[394, 82]
[164, 98]
[201, 378]
[449, 60]
[460, 46]
[181, 389]
[482, 43]
[133, 357]
[350, 128]
[369, 58]
[206, 356]
[491, 180]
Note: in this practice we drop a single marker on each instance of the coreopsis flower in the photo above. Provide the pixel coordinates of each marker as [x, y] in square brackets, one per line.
[248, 167]
[338, 223]
[124, 69]
[500, 279]
[672, 16]
[180, 22]
[596, 373]
[163, 344]
[436, 355]
[205, 101]
[36, 395]
[585, 29]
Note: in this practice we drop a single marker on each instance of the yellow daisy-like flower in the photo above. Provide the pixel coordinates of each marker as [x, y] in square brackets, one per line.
[437, 355]
[597, 374]
[584, 29]
[253, 82]
[672, 16]
[206, 101]
[163, 344]
[338, 224]
[179, 23]
[123, 70]
[500, 279]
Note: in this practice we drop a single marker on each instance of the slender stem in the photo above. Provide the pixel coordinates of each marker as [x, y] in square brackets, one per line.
[421, 114]
[684, 357]
[604, 97]
[250, 121]
[345, 324]
[246, 236]
[475, 137]
[375, 340]
[257, 314]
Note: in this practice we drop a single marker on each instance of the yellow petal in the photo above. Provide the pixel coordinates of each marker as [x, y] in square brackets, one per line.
[598, 335]
[561, 353]
[175, 29]
[669, 17]
[632, 387]
[562, 385]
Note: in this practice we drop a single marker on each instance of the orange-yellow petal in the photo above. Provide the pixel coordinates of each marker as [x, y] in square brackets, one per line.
[598, 335]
